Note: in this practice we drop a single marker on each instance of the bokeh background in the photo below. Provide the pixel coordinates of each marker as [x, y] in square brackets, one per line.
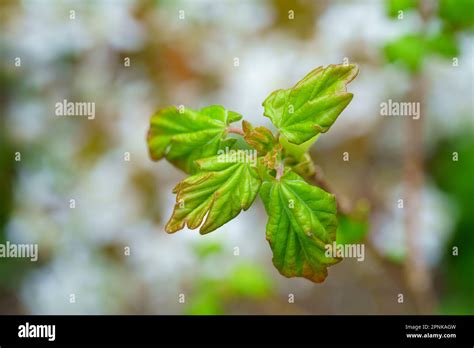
[186, 52]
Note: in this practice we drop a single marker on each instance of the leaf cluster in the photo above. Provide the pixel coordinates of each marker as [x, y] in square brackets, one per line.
[226, 177]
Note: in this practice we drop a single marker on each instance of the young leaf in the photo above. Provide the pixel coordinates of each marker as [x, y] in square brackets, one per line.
[302, 221]
[297, 151]
[262, 140]
[222, 188]
[273, 158]
[313, 104]
[183, 136]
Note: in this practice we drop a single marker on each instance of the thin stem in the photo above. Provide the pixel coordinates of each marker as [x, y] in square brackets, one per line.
[235, 130]
[279, 171]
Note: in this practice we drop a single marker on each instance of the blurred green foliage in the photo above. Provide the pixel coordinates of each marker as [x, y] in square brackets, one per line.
[457, 14]
[245, 281]
[353, 227]
[249, 281]
[394, 6]
[409, 51]
[455, 178]
[205, 301]
[12, 270]
[444, 44]
[204, 250]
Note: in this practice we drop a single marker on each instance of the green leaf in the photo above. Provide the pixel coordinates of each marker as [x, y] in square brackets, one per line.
[304, 167]
[260, 138]
[183, 136]
[223, 187]
[313, 104]
[297, 151]
[302, 221]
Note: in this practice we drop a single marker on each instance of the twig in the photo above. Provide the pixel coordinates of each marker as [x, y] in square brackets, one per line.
[344, 205]
[235, 130]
